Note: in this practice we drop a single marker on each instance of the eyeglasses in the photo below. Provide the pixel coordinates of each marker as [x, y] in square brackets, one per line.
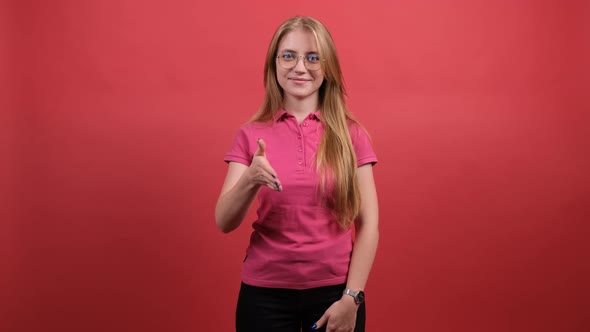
[289, 60]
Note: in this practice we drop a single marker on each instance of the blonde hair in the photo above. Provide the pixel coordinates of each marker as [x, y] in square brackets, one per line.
[335, 160]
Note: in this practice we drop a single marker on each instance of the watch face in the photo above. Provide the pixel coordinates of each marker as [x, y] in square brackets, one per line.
[360, 297]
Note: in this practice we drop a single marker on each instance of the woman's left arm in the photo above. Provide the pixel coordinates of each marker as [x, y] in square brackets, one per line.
[367, 232]
[342, 314]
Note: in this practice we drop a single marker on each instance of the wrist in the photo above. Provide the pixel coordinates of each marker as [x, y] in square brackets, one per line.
[349, 300]
[357, 296]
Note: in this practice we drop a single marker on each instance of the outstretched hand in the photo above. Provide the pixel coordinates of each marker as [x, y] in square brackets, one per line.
[261, 172]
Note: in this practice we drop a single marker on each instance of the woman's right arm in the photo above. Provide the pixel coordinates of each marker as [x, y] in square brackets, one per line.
[240, 188]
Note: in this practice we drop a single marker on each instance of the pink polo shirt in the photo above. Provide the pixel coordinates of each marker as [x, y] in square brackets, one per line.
[296, 242]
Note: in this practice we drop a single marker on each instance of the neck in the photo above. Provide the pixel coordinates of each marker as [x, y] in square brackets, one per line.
[301, 108]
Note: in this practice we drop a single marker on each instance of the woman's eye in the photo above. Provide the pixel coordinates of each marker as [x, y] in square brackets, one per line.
[288, 56]
[313, 58]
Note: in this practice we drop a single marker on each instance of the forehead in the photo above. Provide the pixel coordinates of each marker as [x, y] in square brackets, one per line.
[300, 40]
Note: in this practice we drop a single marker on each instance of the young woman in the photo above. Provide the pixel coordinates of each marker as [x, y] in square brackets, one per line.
[309, 163]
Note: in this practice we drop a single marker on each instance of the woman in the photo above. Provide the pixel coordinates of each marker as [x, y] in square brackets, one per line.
[310, 165]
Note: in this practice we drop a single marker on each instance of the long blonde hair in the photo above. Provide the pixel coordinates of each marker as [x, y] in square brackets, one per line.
[335, 160]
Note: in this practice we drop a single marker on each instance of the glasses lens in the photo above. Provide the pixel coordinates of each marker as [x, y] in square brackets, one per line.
[287, 60]
[312, 62]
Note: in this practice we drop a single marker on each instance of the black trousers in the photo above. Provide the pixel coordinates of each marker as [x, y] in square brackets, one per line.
[287, 310]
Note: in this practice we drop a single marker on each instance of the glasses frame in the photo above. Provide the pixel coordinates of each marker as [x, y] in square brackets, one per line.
[305, 62]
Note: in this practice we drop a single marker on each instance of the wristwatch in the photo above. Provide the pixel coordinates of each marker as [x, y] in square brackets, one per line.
[359, 296]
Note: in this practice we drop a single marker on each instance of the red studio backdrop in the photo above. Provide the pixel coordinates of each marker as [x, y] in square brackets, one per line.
[116, 116]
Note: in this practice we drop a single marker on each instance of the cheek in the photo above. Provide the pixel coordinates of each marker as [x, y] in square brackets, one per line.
[319, 77]
[319, 81]
[280, 76]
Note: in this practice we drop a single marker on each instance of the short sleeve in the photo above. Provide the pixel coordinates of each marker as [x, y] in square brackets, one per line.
[240, 148]
[362, 145]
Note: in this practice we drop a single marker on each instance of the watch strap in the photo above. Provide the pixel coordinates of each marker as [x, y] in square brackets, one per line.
[357, 295]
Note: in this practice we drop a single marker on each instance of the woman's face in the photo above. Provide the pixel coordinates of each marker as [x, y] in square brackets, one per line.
[299, 82]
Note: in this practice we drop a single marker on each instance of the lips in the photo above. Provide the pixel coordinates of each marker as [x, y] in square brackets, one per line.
[299, 80]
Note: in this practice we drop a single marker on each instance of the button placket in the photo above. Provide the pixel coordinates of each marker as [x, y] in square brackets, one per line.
[300, 154]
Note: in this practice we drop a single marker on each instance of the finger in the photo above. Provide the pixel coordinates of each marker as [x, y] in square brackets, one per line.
[276, 181]
[265, 178]
[261, 147]
[267, 168]
[274, 186]
[277, 186]
[320, 322]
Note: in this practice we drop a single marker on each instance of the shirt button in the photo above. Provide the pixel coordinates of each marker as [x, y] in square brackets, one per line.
[299, 136]
[300, 162]
[305, 124]
[300, 149]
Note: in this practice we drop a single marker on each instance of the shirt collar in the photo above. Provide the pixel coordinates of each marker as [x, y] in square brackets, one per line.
[282, 114]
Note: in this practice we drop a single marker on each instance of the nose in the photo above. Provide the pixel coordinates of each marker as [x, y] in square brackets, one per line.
[300, 64]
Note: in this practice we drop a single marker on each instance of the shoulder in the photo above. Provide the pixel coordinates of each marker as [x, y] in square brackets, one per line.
[253, 126]
[244, 143]
[357, 131]
[361, 141]
[251, 129]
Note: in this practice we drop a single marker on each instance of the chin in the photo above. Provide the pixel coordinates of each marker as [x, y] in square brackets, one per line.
[299, 94]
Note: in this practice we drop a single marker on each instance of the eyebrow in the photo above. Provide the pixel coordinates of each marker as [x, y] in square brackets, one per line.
[292, 51]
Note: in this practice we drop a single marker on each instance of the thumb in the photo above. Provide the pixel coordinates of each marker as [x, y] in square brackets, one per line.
[320, 322]
[261, 147]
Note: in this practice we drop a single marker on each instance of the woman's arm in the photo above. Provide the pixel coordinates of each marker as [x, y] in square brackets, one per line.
[367, 232]
[235, 198]
[240, 188]
[342, 314]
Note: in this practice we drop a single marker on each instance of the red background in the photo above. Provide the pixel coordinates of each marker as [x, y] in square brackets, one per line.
[116, 115]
